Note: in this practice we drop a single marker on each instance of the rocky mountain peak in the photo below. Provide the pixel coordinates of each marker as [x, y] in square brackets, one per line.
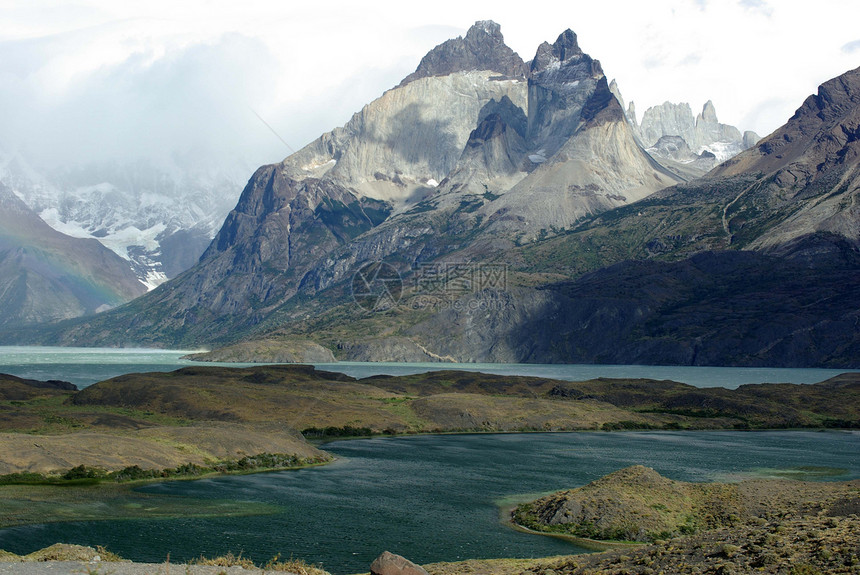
[483, 28]
[709, 113]
[548, 55]
[483, 48]
[835, 98]
[750, 139]
[616, 91]
[603, 105]
[631, 114]
[822, 133]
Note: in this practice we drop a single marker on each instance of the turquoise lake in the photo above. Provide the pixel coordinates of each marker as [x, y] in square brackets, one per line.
[85, 366]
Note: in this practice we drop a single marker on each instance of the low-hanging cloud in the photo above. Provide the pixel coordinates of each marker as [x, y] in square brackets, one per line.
[195, 97]
[117, 81]
[851, 47]
[758, 5]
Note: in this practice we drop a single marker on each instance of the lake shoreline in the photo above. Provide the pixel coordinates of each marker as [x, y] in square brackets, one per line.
[785, 523]
[370, 477]
[79, 365]
[211, 413]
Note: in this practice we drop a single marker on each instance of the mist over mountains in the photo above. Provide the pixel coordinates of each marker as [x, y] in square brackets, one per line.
[47, 276]
[159, 218]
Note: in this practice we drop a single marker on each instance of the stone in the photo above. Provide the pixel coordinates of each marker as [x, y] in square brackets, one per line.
[390, 564]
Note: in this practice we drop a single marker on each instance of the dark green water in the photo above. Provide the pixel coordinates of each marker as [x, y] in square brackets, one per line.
[435, 498]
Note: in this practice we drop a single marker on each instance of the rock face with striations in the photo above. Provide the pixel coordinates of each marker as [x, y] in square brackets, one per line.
[400, 146]
[704, 133]
[583, 157]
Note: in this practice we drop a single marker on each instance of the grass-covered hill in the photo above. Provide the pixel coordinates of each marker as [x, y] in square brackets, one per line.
[203, 415]
[302, 397]
[755, 526]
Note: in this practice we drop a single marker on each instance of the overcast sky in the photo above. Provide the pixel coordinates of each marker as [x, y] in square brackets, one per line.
[99, 79]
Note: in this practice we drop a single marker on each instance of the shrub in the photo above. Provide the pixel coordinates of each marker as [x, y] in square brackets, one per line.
[84, 472]
[728, 550]
[296, 566]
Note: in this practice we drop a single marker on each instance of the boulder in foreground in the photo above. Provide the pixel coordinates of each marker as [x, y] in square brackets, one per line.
[390, 564]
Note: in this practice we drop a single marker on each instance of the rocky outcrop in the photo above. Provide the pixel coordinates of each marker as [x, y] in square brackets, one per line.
[674, 153]
[562, 79]
[764, 525]
[668, 119]
[492, 160]
[750, 139]
[47, 276]
[390, 564]
[633, 504]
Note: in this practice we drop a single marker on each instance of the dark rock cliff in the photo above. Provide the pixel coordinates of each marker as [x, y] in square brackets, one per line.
[483, 48]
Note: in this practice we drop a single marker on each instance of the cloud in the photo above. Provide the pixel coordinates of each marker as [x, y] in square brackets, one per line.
[198, 97]
[851, 47]
[763, 116]
[758, 6]
[693, 59]
[105, 79]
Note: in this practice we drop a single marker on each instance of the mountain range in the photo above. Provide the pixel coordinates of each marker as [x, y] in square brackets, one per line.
[47, 276]
[525, 215]
[158, 215]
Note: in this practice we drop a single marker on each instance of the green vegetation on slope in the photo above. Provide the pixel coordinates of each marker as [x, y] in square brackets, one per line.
[761, 526]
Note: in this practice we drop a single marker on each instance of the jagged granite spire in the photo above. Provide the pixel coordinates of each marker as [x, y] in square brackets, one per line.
[562, 80]
[483, 48]
[709, 113]
[616, 91]
[564, 48]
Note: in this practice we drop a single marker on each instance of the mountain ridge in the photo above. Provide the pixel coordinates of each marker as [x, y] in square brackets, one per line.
[47, 276]
[546, 178]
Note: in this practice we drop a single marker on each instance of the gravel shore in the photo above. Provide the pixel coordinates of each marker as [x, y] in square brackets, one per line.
[118, 568]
